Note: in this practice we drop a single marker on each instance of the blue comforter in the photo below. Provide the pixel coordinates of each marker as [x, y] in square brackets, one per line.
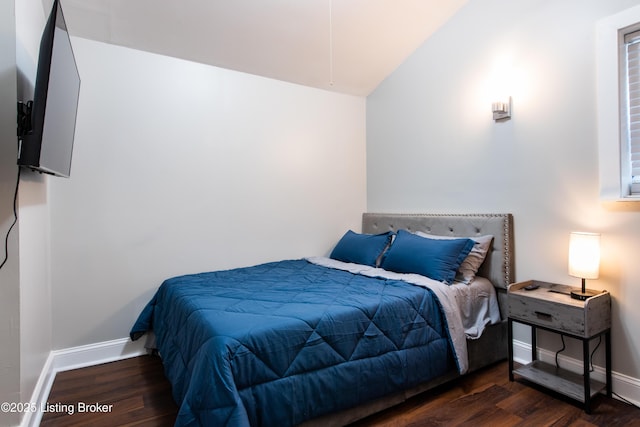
[280, 343]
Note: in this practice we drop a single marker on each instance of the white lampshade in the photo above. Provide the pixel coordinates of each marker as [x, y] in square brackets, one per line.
[584, 255]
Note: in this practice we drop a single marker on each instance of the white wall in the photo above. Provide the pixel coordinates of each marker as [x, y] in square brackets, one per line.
[35, 285]
[179, 168]
[433, 146]
[9, 275]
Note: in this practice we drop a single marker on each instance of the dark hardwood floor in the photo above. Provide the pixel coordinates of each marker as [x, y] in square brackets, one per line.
[140, 395]
[136, 387]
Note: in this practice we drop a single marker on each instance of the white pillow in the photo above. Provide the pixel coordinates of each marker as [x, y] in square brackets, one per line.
[469, 267]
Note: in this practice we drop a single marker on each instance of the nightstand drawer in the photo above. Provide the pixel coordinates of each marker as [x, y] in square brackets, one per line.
[547, 314]
[550, 306]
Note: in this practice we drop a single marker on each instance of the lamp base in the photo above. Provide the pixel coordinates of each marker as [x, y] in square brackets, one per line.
[583, 294]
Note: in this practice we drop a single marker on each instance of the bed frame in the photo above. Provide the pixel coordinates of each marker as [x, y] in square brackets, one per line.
[498, 267]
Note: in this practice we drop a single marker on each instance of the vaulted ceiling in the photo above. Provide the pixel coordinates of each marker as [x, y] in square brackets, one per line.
[347, 46]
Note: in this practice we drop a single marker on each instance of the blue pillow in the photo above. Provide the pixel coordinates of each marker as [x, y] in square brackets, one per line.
[361, 248]
[436, 259]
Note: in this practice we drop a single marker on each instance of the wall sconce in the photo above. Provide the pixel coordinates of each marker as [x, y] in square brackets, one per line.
[584, 260]
[501, 110]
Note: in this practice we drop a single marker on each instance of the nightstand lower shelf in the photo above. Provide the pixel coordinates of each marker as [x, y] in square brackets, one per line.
[560, 380]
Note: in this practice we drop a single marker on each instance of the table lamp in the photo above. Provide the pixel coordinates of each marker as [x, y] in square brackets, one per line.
[584, 260]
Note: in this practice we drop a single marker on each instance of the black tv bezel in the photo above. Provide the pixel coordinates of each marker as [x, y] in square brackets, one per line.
[31, 115]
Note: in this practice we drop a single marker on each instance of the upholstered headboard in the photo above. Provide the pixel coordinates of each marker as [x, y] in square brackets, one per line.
[499, 263]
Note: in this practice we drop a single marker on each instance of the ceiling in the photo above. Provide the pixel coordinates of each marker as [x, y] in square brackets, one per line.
[346, 46]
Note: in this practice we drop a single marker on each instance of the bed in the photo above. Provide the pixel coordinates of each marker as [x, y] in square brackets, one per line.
[327, 341]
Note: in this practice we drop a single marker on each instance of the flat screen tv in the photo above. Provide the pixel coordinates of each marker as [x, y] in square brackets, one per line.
[47, 127]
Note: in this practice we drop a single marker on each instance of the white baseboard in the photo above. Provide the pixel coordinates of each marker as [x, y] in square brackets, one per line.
[96, 354]
[624, 386]
[74, 358]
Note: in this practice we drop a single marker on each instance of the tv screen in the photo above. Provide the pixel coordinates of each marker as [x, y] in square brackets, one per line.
[48, 146]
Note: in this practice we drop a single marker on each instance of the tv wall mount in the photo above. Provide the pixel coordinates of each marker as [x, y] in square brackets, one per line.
[25, 127]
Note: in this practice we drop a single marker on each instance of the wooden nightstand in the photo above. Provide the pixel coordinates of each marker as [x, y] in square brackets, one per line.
[550, 307]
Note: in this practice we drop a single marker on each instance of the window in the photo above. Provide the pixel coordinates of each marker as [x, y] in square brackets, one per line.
[630, 108]
[618, 94]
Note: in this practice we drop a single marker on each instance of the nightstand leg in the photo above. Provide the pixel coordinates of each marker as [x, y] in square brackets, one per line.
[534, 344]
[587, 379]
[607, 350]
[510, 347]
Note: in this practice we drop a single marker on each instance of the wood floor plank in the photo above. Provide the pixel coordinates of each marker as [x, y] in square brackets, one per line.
[140, 395]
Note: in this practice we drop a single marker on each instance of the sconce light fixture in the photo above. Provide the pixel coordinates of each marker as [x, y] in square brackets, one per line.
[501, 110]
[584, 260]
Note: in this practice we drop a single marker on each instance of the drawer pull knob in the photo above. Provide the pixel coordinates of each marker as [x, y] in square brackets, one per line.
[543, 316]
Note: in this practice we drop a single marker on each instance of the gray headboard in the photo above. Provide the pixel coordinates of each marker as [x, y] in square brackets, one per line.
[499, 264]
